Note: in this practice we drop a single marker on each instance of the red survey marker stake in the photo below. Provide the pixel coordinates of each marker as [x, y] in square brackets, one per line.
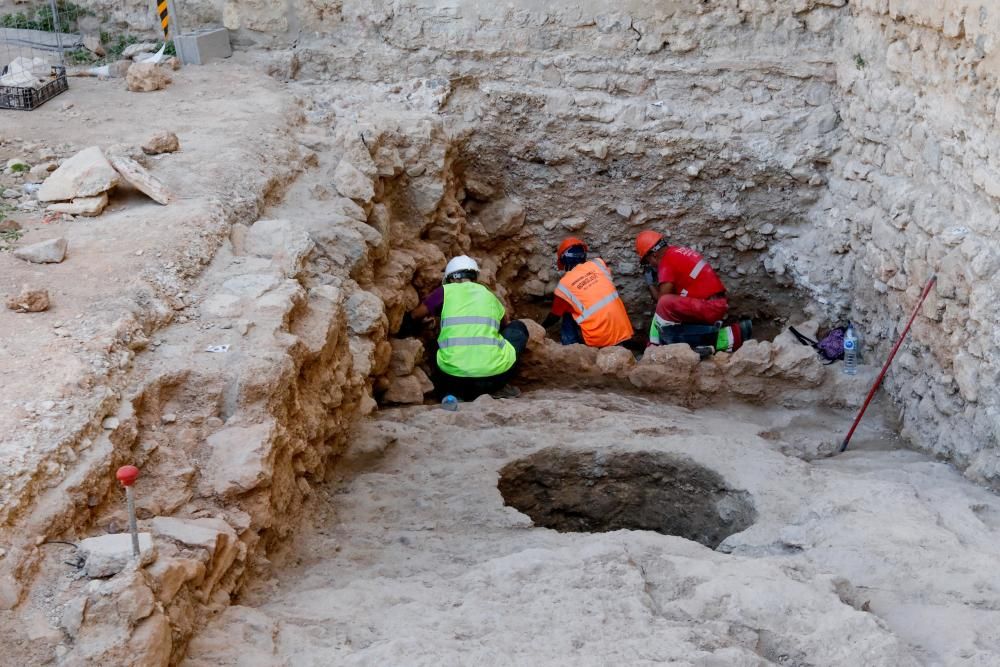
[127, 476]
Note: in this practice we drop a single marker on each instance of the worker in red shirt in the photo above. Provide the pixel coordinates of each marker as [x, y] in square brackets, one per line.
[686, 291]
[586, 300]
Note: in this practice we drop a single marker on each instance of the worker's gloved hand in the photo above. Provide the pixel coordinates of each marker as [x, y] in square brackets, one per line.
[408, 327]
[649, 274]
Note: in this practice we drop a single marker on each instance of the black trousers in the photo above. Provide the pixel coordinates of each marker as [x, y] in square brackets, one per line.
[469, 388]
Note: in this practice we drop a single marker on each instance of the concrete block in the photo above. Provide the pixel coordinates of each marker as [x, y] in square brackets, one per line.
[197, 47]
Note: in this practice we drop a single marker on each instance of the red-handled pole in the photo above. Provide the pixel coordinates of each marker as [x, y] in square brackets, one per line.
[127, 476]
[895, 348]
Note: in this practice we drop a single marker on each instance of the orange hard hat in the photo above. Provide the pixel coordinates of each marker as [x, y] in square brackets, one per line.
[645, 242]
[568, 242]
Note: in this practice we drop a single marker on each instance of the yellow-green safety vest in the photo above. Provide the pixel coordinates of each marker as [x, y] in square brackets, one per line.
[470, 344]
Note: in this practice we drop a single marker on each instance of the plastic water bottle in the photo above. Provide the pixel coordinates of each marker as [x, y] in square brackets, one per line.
[850, 351]
[449, 403]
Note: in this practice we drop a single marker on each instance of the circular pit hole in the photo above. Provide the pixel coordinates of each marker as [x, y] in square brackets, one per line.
[600, 491]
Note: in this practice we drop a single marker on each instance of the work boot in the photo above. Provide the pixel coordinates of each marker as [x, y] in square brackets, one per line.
[507, 391]
[704, 351]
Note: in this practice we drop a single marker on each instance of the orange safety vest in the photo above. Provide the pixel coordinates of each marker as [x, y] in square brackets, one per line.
[596, 306]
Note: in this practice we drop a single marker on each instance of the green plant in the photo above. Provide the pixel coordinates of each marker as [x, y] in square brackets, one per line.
[42, 19]
[859, 62]
[11, 235]
[115, 44]
[19, 168]
[80, 57]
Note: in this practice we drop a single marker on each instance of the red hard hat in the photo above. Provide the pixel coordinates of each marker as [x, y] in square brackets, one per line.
[645, 241]
[568, 242]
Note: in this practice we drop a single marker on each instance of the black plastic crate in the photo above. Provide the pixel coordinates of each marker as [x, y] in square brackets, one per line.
[26, 99]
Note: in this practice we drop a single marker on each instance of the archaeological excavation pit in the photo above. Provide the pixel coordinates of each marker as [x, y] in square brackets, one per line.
[601, 491]
[825, 156]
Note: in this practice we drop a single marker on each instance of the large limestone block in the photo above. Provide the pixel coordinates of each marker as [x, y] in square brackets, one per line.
[209, 534]
[146, 77]
[406, 354]
[52, 251]
[216, 537]
[282, 241]
[86, 174]
[365, 311]
[353, 184]
[86, 206]
[137, 176]
[667, 368]
[498, 220]
[107, 555]
[615, 361]
[799, 364]
[239, 460]
[408, 390]
[169, 574]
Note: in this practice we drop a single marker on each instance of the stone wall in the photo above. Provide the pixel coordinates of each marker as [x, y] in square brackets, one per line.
[914, 191]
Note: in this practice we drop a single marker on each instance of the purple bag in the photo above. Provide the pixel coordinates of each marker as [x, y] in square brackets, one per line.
[830, 346]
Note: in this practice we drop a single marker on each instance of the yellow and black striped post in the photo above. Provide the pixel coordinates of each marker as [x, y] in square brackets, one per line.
[162, 8]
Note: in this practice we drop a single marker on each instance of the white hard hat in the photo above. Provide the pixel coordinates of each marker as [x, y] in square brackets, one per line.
[460, 263]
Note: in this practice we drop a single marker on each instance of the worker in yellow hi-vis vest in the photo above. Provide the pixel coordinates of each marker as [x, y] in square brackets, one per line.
[478, 346]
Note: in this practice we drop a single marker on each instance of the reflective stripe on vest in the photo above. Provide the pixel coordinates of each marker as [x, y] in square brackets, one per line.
[603, 303]
[570, 297]
[470, 319]
[470, 341]
[599, 263]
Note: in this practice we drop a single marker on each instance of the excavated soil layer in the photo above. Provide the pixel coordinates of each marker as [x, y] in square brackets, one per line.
[598, 491]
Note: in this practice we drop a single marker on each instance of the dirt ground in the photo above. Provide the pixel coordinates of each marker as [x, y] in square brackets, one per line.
[126, 272]
[876, 557]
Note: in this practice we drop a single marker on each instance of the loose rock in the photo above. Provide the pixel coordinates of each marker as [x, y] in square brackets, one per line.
[132, 50]
[107, 555]
[29, 301]
[86, 174]
[136, 176]
[409, 389]
[161, 142]
[146, 77]
[52, 251]
[351, 183]
[85, 206]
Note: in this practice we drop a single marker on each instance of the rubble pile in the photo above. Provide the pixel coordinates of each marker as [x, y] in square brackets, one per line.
[86, 178]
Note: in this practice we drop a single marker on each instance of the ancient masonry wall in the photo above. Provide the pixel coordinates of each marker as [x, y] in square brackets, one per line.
[914, 190]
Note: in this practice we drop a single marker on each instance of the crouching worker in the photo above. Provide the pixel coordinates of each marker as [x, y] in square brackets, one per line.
[475, 355]
[690, 298]
[587, 301]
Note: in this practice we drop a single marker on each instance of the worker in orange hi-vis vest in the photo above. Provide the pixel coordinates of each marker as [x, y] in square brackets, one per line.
[586, 300]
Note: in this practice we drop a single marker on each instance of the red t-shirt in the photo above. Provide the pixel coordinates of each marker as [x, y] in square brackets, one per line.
[560, 306]
[689, 272]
